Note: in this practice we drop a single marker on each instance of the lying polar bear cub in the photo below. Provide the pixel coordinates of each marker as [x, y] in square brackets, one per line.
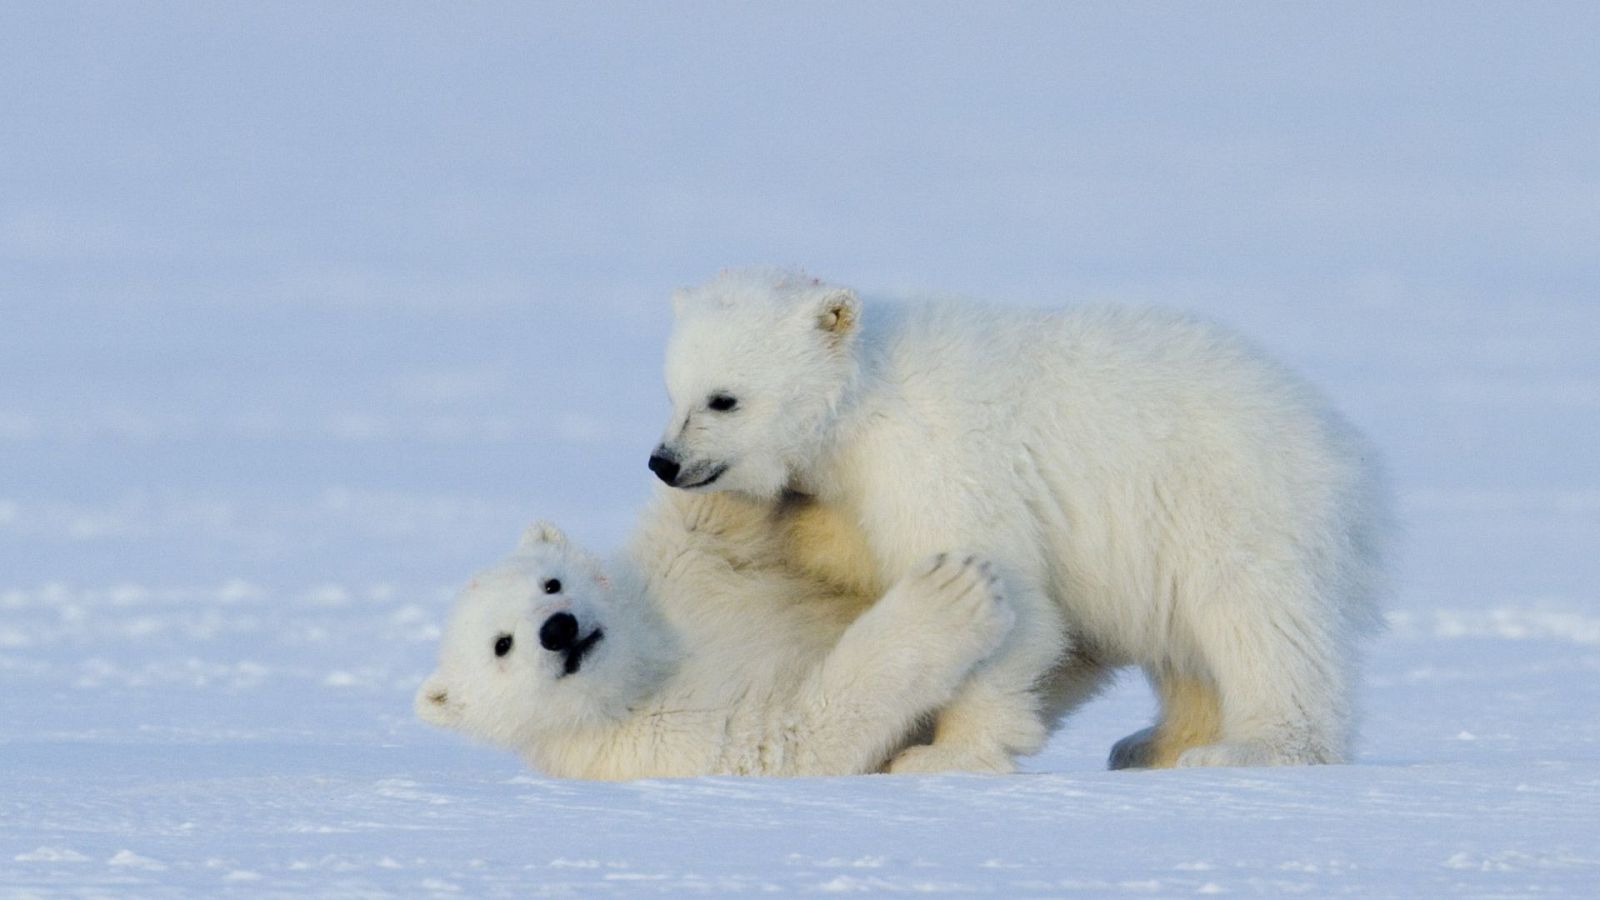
[700, 653]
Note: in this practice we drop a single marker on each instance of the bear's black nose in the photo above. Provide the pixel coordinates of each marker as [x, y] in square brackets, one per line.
[559, 632]
[665, 467]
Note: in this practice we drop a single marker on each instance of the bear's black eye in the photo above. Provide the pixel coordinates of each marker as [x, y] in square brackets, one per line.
[553, 586]
[722, 402]
[502, 645]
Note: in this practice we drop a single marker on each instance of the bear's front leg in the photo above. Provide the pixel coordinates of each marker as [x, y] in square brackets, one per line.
[820, 540]
[901, 660]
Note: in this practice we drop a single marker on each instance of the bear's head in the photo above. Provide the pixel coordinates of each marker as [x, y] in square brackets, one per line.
[535, 646]
[757, 368]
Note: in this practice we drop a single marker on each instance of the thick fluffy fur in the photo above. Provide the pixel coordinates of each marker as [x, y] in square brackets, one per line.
[1147, 481]
[713, 657]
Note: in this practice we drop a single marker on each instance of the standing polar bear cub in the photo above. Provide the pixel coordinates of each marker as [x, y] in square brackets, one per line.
[1145, 482]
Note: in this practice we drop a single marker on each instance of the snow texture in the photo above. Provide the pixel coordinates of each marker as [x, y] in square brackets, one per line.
[306, 309]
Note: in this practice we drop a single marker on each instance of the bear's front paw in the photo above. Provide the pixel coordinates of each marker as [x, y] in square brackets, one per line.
[960, 595]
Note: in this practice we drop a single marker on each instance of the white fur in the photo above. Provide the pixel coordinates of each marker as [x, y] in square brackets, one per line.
[1150, 482]
[715, 659]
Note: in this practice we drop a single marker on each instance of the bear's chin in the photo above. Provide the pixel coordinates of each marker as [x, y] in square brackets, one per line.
[761, 481]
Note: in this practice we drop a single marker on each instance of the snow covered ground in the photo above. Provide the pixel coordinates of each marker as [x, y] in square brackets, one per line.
[305, 309]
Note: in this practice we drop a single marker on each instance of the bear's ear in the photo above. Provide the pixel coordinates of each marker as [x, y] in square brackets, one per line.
[836, 313]
[433, 703]
[541, 532]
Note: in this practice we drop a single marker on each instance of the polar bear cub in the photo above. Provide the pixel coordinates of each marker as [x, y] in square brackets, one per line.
[1147, 481]
[692, 656]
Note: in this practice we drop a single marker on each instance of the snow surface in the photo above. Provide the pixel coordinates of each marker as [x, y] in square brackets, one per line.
[306, 309]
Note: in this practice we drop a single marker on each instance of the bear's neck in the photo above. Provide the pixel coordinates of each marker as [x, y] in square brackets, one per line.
[656, 652]
[872, 390]
[827, 473]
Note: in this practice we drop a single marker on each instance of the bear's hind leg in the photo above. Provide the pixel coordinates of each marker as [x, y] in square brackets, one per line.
[1282, 679]
[1190, 717]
